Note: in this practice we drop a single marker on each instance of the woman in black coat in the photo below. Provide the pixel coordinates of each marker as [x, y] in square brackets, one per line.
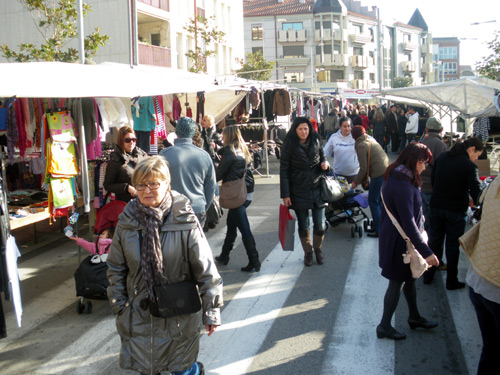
[401, 195]
[302, 164]
[235, 158]
[121, 164]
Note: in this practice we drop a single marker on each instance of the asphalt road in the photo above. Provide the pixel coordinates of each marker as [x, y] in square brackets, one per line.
[285, 319]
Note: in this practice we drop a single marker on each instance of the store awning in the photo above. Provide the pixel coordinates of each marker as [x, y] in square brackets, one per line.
[67, 80]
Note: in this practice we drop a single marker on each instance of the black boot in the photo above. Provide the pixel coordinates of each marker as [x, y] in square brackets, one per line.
[253, 255]
[223, 258]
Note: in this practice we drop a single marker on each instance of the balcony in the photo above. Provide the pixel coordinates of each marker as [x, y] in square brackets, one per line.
[360, 84]
[409, 66]
[409, 46]
[360, 38]
[340, 36]
[287, 36]
[160, 4]
[361, 61]
[426, 48]
[292, 62]
[427, 68]
[336, 59]
[326, 36]
[154, 55]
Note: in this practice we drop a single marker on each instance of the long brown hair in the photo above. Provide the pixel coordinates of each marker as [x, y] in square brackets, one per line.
[409, 157]
[234, 140]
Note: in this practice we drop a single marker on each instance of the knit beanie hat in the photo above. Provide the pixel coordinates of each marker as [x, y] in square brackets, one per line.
[357, 131]
[433, 124]
[186, 127]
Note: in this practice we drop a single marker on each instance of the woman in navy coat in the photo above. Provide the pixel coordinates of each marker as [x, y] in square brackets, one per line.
[401, 194]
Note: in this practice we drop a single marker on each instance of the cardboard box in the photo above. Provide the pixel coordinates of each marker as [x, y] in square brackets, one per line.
[483, 166]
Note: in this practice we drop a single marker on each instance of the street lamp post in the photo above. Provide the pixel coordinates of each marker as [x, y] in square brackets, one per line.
[380, 52]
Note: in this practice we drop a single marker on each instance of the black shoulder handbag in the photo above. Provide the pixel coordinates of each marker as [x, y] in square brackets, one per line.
[175, 299]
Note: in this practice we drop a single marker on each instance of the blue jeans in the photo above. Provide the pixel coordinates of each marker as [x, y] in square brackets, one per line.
[426, 210]
[237, 219]
[451, 225]
[488, 316]
[374, 200]
[194, 370]
[318, 215]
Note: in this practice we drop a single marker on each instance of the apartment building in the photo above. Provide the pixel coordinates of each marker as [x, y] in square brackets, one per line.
[326, 45]
[149, 32]
[446, 55]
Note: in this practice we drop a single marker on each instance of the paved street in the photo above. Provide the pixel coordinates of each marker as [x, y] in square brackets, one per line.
[285, 319]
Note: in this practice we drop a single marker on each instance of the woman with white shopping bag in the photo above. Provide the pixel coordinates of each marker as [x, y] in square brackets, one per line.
[401, 196]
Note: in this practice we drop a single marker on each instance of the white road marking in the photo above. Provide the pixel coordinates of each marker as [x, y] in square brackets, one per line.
[355, 348]
[251, 313]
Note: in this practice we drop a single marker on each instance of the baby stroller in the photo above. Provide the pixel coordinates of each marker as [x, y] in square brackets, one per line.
[349, 209]
[90, 278]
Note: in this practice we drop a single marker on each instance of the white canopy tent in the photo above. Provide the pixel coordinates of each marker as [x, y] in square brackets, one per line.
[469, 97]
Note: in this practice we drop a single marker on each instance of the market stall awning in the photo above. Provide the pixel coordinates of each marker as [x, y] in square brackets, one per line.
[471, 96]
[67, 80]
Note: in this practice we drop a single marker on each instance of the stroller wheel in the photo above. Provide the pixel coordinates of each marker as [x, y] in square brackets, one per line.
[365, 224]
[360, 232]
[88, 307]
[353, 231]
[80, 307]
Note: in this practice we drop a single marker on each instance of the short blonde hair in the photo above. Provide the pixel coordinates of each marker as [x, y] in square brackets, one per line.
[154, 167]
[211, 119]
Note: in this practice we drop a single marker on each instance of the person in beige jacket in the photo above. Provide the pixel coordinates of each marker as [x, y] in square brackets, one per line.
[368, 148]
[483, 279]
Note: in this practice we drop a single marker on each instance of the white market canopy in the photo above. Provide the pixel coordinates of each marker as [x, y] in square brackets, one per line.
[68, 80]
[471, 96]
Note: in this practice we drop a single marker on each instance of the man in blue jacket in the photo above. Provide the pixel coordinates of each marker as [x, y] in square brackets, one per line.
[191, 169]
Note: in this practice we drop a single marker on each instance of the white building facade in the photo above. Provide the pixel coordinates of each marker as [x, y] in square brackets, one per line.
[324, 46]
[147, 32]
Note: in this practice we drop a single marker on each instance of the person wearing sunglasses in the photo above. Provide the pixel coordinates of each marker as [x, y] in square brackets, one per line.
[121, 164]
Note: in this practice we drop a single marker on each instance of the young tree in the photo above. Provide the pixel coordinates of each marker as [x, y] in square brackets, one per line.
[257, 67]
[402, 82]
[490, 66]
[57, 23]
[204, 30]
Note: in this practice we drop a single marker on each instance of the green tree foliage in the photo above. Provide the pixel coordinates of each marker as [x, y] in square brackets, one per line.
[204, 30]
[257, 67]
[490, 66]
[402, 82]
[56, 20]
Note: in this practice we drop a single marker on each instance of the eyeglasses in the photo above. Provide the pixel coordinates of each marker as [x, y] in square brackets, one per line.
[128, 140]
[151, 186]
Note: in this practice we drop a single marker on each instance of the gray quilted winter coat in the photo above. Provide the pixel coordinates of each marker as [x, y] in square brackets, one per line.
[151, 344]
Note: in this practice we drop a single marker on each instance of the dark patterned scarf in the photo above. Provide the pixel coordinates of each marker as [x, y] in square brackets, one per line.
[151, 219]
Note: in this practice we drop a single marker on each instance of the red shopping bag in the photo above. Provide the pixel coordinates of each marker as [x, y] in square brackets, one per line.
[286, 228]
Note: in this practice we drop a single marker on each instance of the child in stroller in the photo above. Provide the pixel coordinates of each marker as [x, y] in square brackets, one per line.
[98, 249]
[350, 209]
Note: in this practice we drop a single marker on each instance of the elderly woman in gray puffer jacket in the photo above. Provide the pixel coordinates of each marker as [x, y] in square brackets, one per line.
[155, 234]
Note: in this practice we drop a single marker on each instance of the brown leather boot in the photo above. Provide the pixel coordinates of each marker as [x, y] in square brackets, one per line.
[305, 240]
[318, 236]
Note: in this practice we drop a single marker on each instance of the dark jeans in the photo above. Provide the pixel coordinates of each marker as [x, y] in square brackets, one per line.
[374, 200]
[411, 137]
[143, 140]
[488, 316]
[402, 141]
[426, 210]
[237, 219]
[394, 142]
[449, 225]
[318, 215]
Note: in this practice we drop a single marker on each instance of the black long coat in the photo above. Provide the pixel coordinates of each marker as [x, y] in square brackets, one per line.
[300, 173]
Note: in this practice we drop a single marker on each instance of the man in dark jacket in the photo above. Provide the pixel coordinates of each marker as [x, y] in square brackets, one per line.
[391, 121]
[455, 183]
[212, 141]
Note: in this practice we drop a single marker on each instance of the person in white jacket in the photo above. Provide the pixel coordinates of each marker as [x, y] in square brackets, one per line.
[341, 147]
[412, 125]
